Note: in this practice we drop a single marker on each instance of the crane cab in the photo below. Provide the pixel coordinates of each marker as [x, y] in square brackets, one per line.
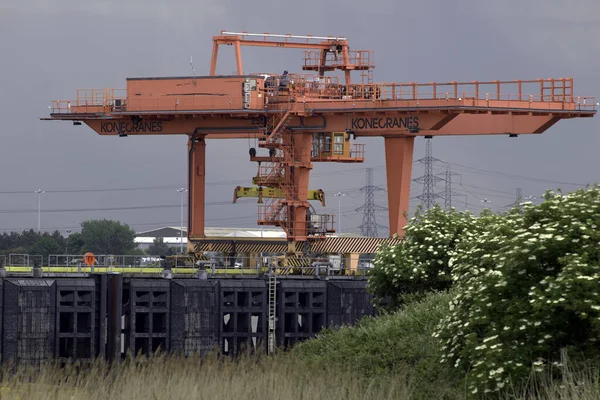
[336, 146]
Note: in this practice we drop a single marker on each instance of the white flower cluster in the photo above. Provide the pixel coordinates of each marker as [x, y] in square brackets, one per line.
[523, 286]
[421, 262]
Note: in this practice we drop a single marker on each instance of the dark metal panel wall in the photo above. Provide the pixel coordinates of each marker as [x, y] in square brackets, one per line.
[194, 316]
[302, 307]
[348, 302]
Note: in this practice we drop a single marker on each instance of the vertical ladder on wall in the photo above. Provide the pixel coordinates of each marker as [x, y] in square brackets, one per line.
[272, 304]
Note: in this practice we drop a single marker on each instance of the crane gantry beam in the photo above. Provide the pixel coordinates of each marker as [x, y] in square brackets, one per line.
[302, 118]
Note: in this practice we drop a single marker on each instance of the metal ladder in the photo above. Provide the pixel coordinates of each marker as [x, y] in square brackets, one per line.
[272, 304]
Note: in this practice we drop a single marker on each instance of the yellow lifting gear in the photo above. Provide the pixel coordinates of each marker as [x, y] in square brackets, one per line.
[277, 193]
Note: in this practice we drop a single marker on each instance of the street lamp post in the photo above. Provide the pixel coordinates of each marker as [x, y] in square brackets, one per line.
[182, 191]
[39, 192]
[67, 243]
[339, 196]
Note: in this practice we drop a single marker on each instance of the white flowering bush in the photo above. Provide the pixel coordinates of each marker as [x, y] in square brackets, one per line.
[421, 262]
[527, 288]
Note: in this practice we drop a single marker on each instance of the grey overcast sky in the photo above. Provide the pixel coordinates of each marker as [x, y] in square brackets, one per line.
[50, 48]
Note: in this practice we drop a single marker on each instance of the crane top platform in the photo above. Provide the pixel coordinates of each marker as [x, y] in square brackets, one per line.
[230, 104]
[163, 105]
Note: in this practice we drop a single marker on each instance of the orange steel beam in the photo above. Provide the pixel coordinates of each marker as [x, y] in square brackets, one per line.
[285, 41]
[366, 124]
[196, 184]
[398, 165]
[298, 170]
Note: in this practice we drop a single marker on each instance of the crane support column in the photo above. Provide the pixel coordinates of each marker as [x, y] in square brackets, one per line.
[196, 185]
[238, 57]
[213, 60]
[398, 164]
[298, 174]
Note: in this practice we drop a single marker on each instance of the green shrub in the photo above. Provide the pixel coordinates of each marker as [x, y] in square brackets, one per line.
[420, 263]
[526, 288]
[399, 343]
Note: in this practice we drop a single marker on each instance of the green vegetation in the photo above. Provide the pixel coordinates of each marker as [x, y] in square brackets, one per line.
[524, 284]
[527, 289]
[159, 247]
[388, 357]
[279, 377]
[98, 236]
[421, 263]
[398, 345]
[107, 237]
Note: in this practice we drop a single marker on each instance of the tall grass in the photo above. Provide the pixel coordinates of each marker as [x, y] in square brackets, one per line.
[579, 381]
[280, 377]
[398, 344]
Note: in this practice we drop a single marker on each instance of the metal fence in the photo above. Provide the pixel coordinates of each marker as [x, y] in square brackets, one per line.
[212, 264]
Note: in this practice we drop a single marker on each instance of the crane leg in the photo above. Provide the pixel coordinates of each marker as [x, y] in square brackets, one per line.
[238, 57]
[196, 185]
[213, 60]
[297, 174]
[398, 163]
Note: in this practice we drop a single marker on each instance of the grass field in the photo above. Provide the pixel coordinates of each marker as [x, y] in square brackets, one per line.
[389, 357]
[279, 377]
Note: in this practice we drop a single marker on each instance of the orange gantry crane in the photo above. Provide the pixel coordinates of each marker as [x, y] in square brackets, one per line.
[309, 117]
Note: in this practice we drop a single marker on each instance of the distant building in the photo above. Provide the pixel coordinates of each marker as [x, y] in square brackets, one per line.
[172, 234]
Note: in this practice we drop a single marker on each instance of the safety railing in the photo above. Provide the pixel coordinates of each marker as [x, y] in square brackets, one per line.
[214, 266]
[270, 174]
[104, 102]
[555, 93]
[551, 90]
[357, 150]
[545, 93]
[358, 59]
[92, 100]
[315, 86]
[307, 267]
[321, 224]
[24, 260]
[106, 260]
[272, 211]
[327, 151]
[65, 260]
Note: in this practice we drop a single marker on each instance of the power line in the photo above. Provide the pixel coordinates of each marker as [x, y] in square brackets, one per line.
[485, 171]
[163, 187]
[235, 182]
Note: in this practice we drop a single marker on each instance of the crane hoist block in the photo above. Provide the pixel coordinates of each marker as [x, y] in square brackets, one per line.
[273, 193]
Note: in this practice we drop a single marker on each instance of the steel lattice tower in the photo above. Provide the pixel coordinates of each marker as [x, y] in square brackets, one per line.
[519, 199]
[448, 193]
[369, 225]
[428, 179]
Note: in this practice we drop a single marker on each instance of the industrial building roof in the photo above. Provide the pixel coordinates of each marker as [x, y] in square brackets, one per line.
[171, 234]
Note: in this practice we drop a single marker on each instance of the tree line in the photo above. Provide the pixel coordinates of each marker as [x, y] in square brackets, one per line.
[100, 236]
